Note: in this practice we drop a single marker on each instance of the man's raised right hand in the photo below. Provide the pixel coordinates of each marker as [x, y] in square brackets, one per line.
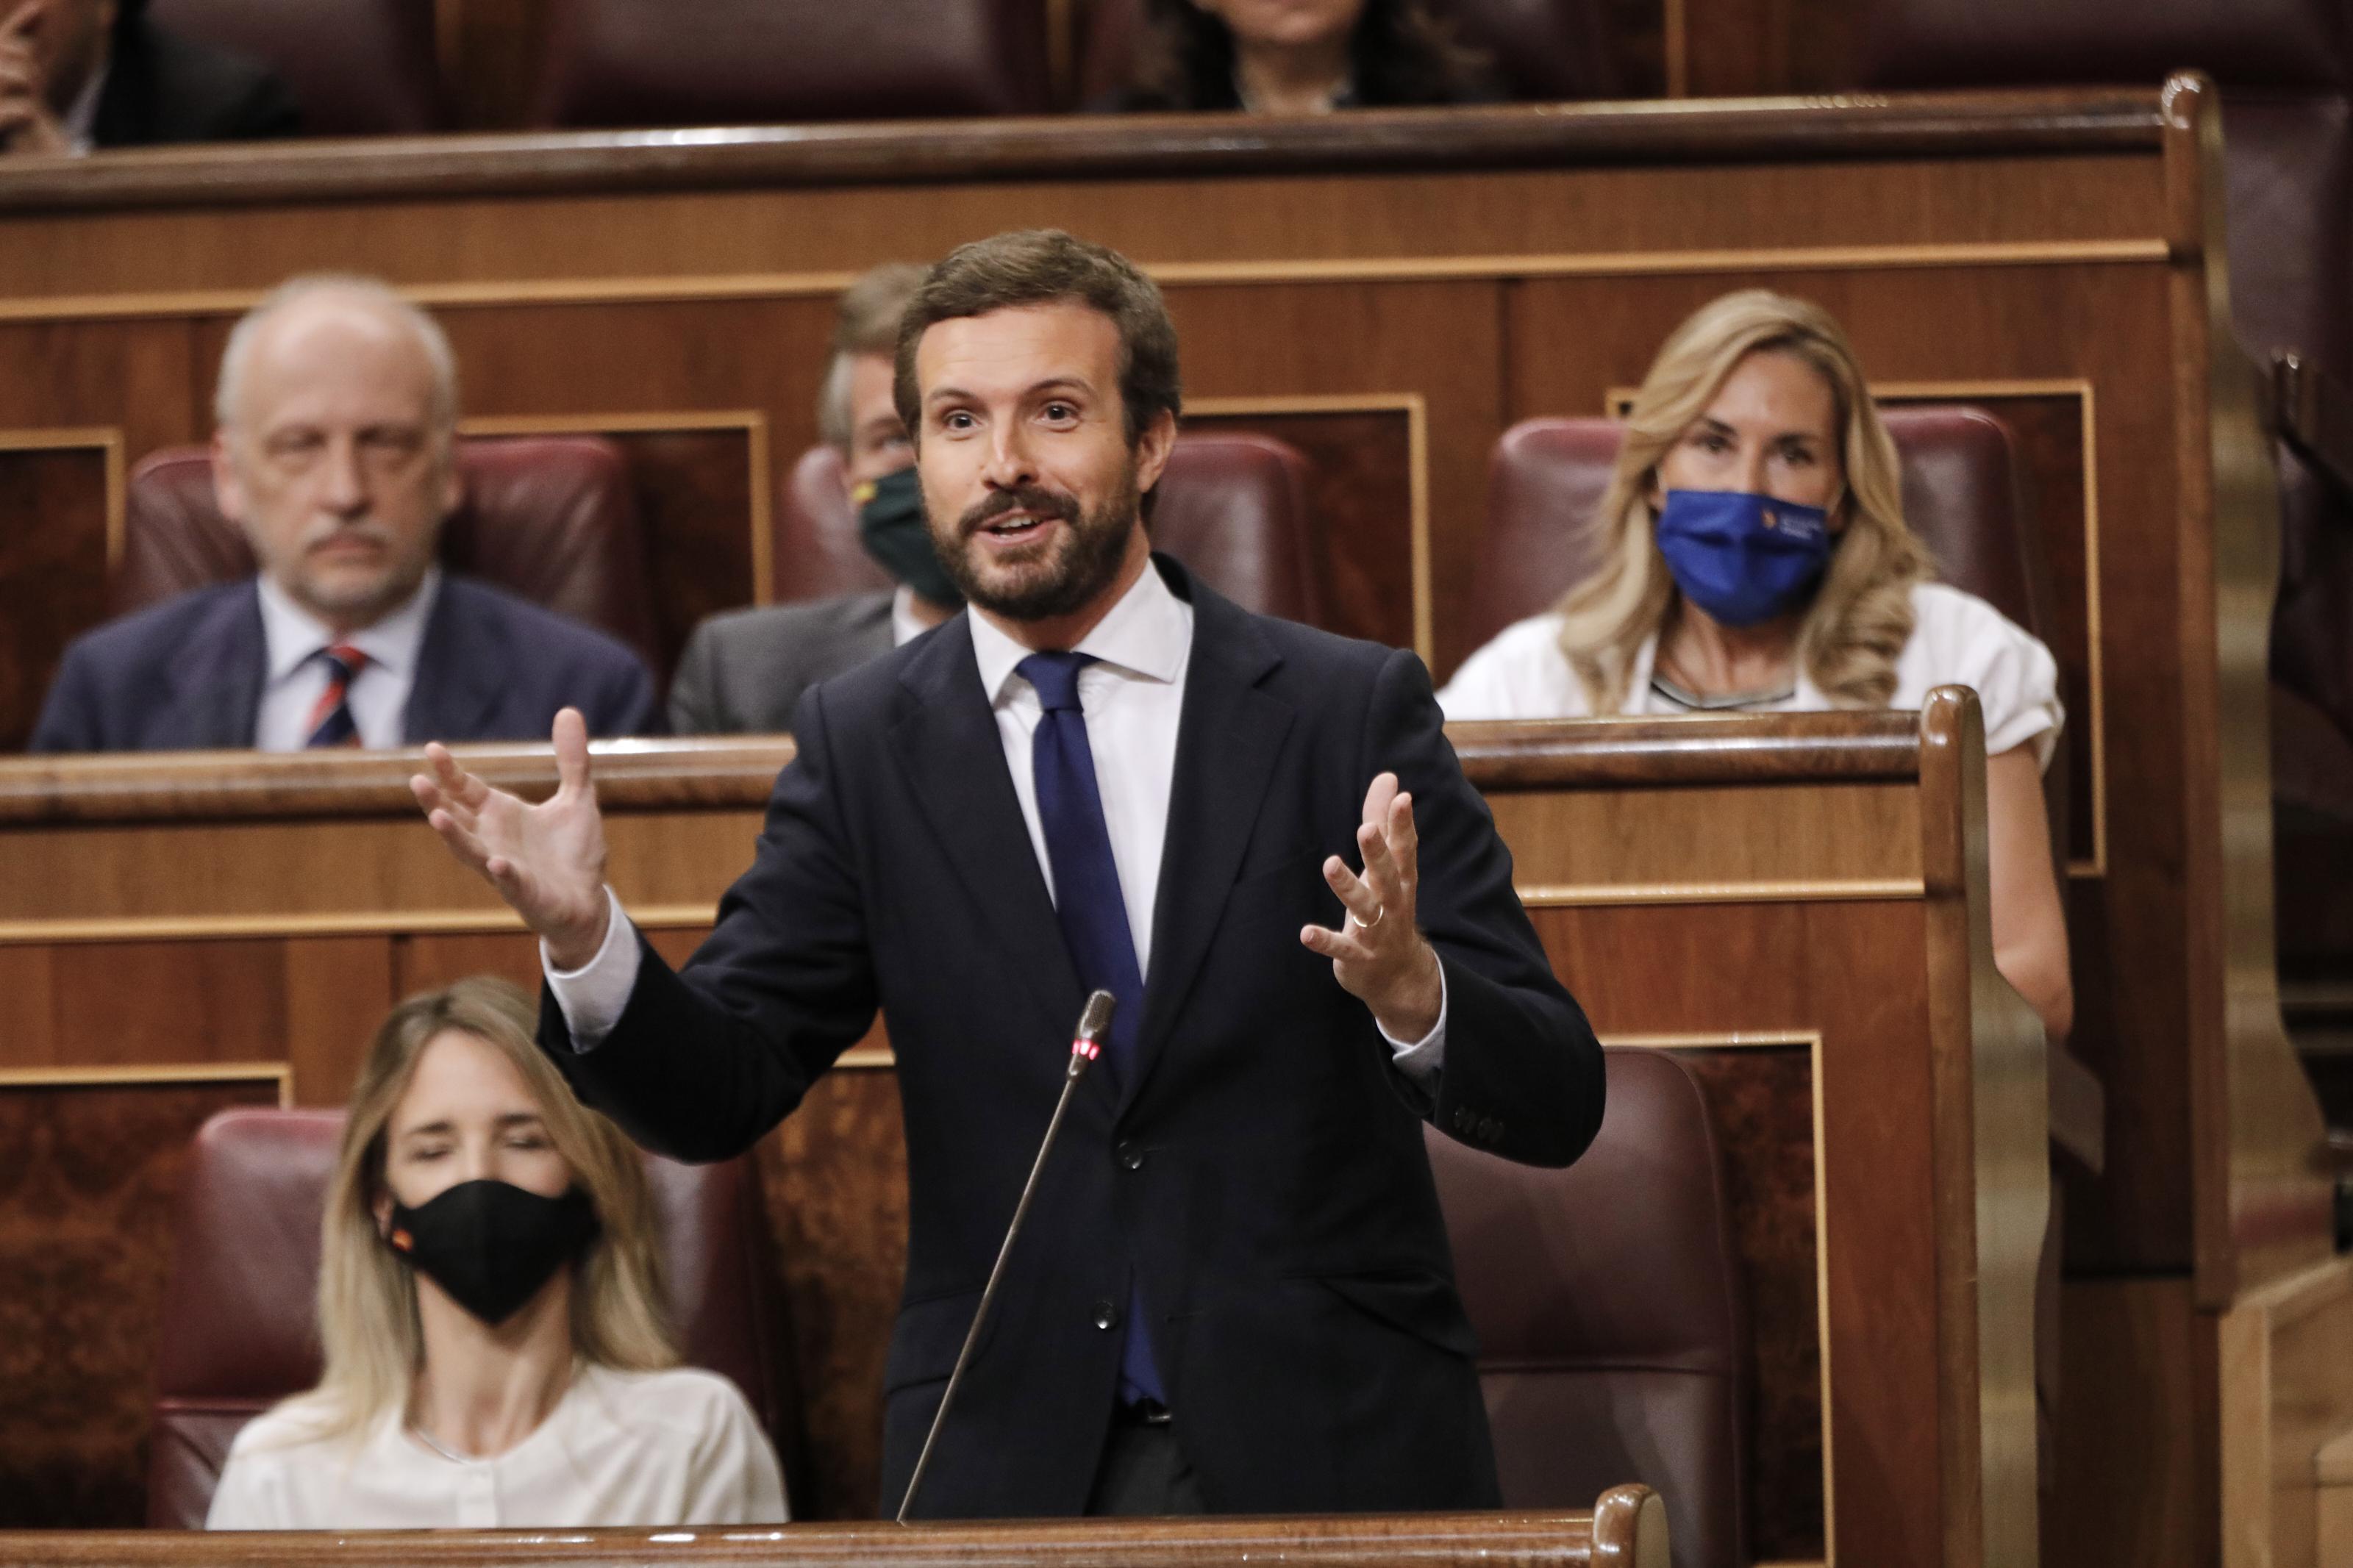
[547, 861]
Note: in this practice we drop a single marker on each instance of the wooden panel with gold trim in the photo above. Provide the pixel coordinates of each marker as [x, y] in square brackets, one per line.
[86, 1218]
[60, 531]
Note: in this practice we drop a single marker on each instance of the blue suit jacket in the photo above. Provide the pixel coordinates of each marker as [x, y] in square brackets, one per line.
[187, 674]
[1257, 1165]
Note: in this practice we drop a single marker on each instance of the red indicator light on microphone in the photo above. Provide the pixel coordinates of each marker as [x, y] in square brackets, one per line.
[1082, 1047]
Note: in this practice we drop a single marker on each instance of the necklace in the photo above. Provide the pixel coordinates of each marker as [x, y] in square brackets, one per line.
[455, 1458]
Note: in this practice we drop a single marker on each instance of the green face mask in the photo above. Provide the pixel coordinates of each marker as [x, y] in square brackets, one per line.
[890, 524]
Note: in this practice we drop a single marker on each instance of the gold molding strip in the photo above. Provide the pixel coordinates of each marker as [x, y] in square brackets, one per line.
[105, 439]
[1608, 895]
[350, 922]
[1415, 409]
[1325, 269]
[279, 1073]
[760, 483]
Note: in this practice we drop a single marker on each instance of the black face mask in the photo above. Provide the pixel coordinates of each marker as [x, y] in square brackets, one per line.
[890, 524]
[492, 1245]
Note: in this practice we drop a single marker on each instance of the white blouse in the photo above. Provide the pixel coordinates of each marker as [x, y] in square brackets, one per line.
[1957, 639]
[645, 1448]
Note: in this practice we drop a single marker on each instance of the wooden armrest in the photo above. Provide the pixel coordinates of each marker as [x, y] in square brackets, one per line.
[2313, 411]
[2079, 1109]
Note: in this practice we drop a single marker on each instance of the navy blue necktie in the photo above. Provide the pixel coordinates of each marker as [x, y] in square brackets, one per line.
[331, 723]
[1090, 910]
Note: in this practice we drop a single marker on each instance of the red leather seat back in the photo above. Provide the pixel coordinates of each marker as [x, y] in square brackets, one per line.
[357, 67]
[1232, 507]
[1606, 1301]
[732, 62]
[1542, 48]
[551, 518]
[242, 1335]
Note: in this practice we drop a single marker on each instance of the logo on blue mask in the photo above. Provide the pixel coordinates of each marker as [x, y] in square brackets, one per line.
[1743, 558]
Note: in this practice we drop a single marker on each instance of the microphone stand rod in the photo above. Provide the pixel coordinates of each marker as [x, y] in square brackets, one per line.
[1086, 1043]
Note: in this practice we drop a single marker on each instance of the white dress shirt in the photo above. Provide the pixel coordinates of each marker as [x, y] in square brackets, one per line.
[650, 1449]
[378, 695]
[1133, 695]
[79, 123]
[905, 624]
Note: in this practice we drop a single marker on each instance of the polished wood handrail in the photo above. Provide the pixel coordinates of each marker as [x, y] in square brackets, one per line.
[1626, 1528]
[1673, 130]
[735, 773]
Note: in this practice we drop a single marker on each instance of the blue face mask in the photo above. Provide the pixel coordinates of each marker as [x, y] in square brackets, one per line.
[1743, 558]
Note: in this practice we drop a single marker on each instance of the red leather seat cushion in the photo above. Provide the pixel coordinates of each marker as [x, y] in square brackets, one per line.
[357, 67]
[1232, 507]
[553, 519]
[730, 62]
[1606, 1301]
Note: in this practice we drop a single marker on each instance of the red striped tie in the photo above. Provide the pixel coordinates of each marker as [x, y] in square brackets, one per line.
[330, 716]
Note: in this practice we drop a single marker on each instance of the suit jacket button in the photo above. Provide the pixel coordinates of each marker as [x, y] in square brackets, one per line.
[1462, 1118]
[1130, 1153]
[1488, 1128]
[1106, 1315]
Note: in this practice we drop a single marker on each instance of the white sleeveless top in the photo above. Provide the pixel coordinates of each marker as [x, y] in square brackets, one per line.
[1957, 639]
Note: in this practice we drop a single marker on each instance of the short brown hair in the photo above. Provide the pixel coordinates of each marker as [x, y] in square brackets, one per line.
[1044, 266]
[865, 322]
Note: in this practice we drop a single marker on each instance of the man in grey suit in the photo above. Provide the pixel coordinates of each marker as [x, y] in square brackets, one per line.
[743, 671]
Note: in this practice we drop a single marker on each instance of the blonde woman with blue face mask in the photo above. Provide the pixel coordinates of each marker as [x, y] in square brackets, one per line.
[1756, 560]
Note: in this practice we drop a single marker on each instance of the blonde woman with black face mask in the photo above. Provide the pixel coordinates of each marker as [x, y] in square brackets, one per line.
[1756, 559]
[491, 1308]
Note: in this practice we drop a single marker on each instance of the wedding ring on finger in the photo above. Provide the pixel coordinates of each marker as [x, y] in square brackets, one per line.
[1378, 916]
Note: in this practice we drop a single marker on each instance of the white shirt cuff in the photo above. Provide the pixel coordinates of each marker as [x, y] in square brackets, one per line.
[594, 995]
[1418, 1059]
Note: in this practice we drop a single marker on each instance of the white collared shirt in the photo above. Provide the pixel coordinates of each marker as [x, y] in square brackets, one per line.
[652, 1449]
[297, 677]
[1133, 696]
[79, 123]
[905, 624]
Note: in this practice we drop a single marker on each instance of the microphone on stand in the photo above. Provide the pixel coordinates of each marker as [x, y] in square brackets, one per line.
[1086, 1045]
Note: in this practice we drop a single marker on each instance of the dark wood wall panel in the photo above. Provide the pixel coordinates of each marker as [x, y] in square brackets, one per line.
[53, 525]
[87, 1183]
[835, 1178]
[1361, 506]
[1440, 341]
[1760, 1102]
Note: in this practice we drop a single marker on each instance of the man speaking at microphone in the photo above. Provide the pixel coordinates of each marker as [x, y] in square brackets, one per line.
[1234, 1292]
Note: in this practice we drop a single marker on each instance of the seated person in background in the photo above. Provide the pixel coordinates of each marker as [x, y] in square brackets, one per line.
[744, 671]
[1301, 57]
[77, 75]
[337, 415]
[1757, 558]
[491, 1308]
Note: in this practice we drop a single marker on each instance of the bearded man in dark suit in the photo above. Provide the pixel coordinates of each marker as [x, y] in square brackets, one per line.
[1235, 1292]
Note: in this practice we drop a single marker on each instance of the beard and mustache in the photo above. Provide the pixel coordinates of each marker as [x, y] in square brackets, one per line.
[1063, 574]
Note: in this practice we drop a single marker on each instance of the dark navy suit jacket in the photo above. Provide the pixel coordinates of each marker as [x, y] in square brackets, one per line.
[187, 674]
[1260, 1168]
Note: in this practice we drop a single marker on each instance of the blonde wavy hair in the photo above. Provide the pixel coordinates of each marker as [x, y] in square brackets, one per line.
[367, 1297]
[1861, 617]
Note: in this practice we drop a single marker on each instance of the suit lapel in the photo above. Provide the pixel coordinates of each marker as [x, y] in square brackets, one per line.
[216, 684]
[1226, 740]
[947, 742]
[462, 661]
